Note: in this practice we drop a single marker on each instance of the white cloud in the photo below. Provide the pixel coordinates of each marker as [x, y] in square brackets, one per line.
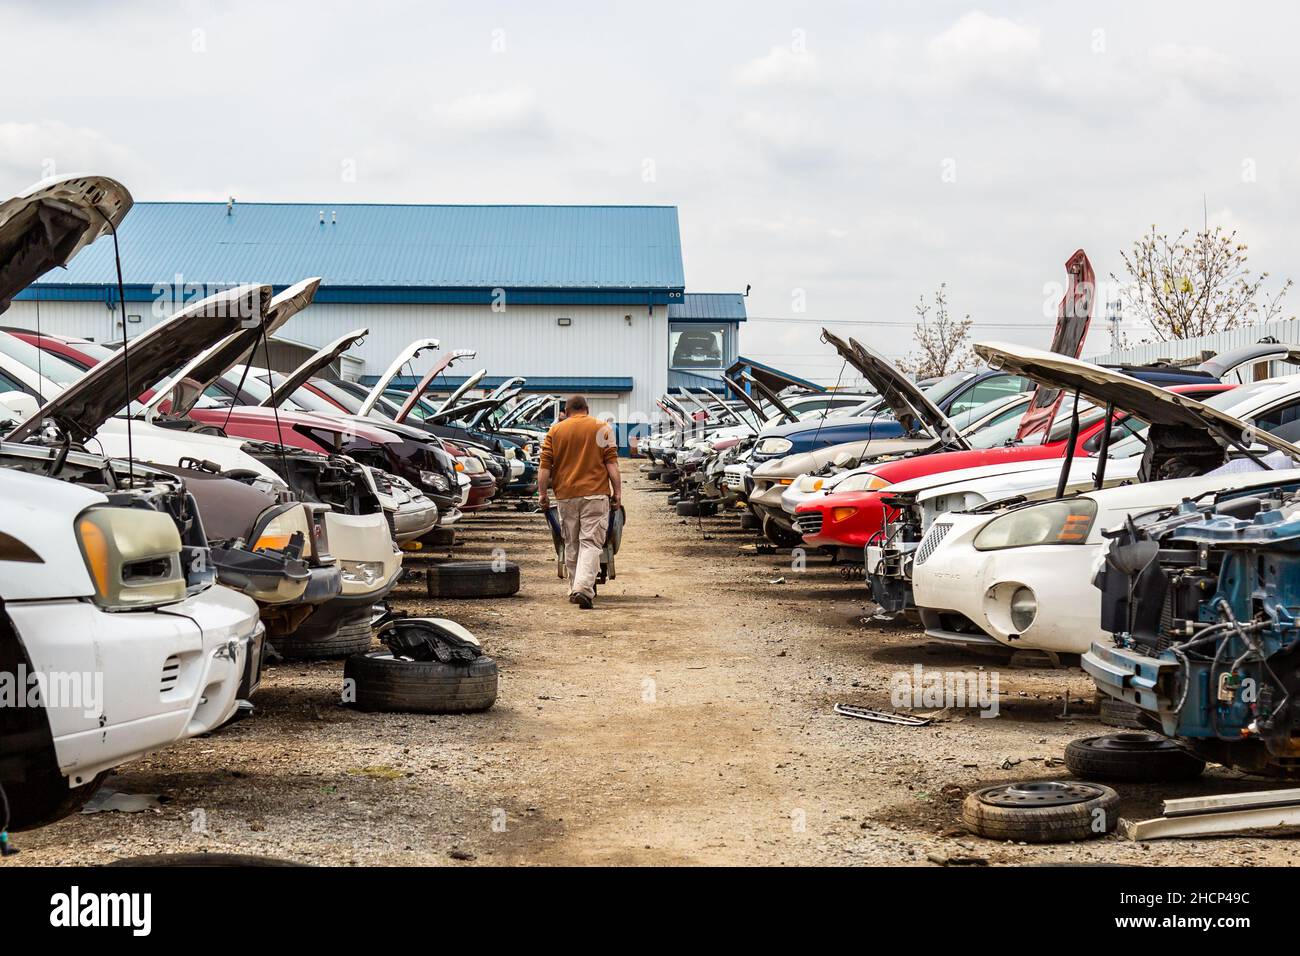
[510, 110]
[781, 67]
[980, 47]
[31, 151]
[1205, 73]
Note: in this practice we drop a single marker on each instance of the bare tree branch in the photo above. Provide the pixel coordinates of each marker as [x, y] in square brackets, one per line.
[942, 343]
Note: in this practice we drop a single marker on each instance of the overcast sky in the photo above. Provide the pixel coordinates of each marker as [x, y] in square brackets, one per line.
[843, 158]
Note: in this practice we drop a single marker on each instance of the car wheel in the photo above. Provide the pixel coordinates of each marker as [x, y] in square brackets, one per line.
[748, 522]
[1114, 712]
[688, 509]
[1134, 755]
[45, 798]
[1042, 811]
[779, 536]
[384, 683]
[343, 641]
[472, 579]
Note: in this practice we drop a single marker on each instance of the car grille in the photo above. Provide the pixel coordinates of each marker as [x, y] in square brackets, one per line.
[932, 540]
[733, 479]
[810, 523]
[171, 673]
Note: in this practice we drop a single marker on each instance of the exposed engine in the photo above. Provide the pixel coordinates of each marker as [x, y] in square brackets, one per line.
[1203, 601]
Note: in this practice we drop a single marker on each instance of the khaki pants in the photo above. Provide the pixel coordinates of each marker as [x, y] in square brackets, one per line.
[583, 522]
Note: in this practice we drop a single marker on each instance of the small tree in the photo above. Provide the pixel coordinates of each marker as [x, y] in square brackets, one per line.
[942, 342]
[1195, 284]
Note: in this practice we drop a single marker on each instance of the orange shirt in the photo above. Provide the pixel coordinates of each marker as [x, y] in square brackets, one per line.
[576, 451]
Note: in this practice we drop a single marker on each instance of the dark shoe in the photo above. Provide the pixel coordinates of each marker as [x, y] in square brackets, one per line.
[582, 601]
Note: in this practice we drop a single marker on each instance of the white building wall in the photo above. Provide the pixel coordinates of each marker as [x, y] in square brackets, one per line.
[602, 341]
[1287, 331]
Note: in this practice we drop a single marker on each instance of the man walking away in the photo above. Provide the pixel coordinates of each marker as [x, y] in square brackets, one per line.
[580, 461]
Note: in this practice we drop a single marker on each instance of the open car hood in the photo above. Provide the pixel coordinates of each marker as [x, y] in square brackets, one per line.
[522, 407]
[184, 388]
[910, 406]
[381, 386]
[450, 402]
[759, 419]
[1142, 399]
[51, 222]
[1225, 363]
[91, 400]
[478, 406]
[502, 394]
[767, 393]
[438, 368]
[323, 357]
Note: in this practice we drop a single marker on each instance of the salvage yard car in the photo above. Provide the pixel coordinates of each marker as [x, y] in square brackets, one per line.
[1010, 573]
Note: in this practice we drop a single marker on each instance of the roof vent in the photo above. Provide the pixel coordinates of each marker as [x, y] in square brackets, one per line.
[334, 217]
[322, 217]
[230, 206]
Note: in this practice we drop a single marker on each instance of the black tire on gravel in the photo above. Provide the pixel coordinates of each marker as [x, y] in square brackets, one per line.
[202, 859]
[749, 522]
[779, 536]
[1037, 817]
[472, 579]
[1114, 712]
[306, 644]
[688, 509]
[1137, 756]
[46, 798]
[385, 684]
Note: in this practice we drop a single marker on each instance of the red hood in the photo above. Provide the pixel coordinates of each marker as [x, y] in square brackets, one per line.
[250, 421]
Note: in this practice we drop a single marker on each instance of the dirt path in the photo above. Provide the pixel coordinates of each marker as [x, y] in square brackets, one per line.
[685, 720]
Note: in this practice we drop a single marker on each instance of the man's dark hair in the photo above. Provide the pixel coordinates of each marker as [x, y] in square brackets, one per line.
[576, 403]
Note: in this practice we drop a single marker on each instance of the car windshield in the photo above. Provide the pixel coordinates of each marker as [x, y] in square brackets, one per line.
[1003, 431]
[53, 367]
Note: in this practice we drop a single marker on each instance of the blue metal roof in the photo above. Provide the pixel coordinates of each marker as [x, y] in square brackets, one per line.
[368, 249]
[708, 306]
[535, 383]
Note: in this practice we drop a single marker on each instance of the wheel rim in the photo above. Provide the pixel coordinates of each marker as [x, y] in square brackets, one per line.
[1040, 793]
[1133, 741]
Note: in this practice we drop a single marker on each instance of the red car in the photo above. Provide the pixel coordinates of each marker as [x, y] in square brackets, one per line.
[849, 519]
[482, 486]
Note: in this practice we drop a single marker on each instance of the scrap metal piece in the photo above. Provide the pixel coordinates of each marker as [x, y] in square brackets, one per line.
[882, 716]
[1219, 813]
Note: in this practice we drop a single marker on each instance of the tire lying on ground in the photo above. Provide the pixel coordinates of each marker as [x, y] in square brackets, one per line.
[305, 644]
[1133, 755]
[384, 683]
[1042, 811]
[473, 579]
[749, 521]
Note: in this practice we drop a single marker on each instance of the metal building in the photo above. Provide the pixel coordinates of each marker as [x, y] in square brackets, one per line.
[575, 298]
[1204, 346]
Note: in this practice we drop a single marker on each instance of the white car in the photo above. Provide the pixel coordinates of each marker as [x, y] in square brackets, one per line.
[130, 656]
[1020, 575]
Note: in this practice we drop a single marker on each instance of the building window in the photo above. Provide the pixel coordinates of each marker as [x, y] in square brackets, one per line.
[697, 346]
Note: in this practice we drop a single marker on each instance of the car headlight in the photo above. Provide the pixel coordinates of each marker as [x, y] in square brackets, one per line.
[1024, 608]
[434, 480]
[362, 572]
[277, 534]
[133, 556]
[775, 446]
[1054, 522]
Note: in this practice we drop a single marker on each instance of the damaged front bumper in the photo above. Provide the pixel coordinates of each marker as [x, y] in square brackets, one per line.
[1138, 679]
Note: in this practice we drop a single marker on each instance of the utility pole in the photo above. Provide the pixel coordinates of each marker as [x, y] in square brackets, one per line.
[1114, 316]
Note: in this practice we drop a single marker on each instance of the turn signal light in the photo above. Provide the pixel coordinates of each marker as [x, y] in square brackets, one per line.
[839, 514]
